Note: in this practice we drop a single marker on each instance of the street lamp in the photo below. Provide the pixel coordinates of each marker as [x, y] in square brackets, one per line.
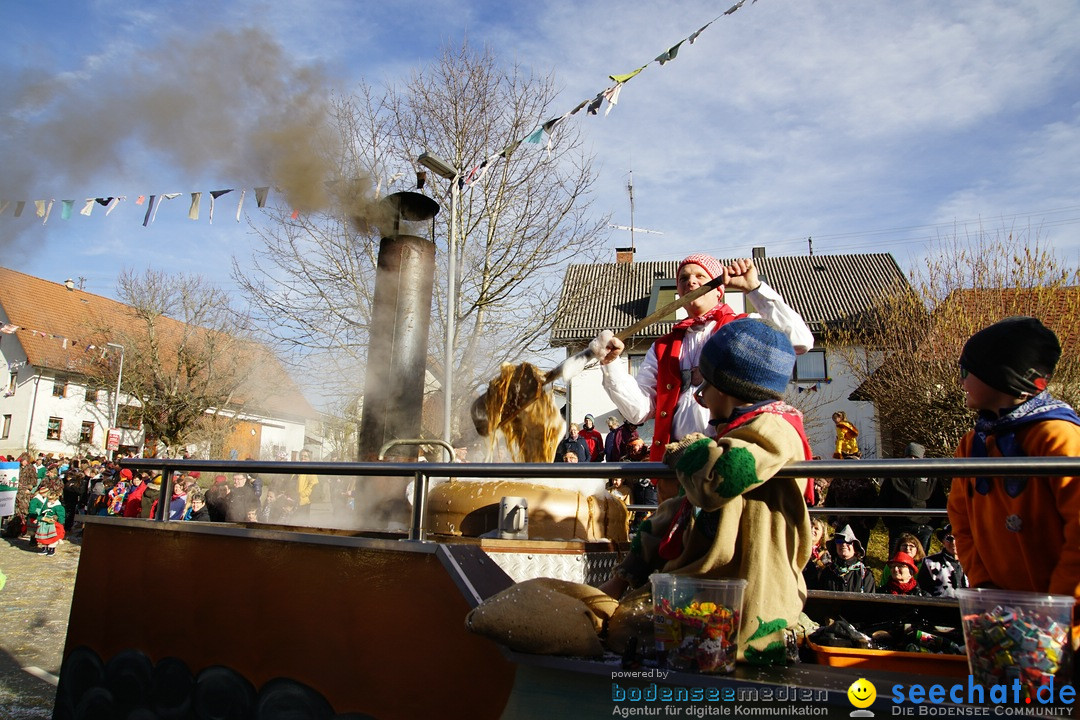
[116, 399]
[443, 169]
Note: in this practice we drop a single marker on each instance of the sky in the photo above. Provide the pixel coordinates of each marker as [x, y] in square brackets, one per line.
[870, 126]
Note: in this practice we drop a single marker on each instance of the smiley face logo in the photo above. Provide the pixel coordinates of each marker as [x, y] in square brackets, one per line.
[862, 693]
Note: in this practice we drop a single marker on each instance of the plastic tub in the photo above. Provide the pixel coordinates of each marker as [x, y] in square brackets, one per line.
[1014, 635]
[696, 622]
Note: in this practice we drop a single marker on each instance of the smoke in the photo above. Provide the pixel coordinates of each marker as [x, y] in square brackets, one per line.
[229, 107]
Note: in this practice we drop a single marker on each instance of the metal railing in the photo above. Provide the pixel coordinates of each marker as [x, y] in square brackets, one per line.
[423, 472]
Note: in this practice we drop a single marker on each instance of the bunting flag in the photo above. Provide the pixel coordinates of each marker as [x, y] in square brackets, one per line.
[8, 329]
[260, 196]
[3, 206]
[113, 202]
[19, 208]
[214, 195]
[193, 211]
[149, 209]
[88, 206]
[65, 209]
[240, 205]
[48, 211]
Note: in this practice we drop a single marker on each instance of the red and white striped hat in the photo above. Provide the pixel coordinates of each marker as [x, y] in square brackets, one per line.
[707, 262]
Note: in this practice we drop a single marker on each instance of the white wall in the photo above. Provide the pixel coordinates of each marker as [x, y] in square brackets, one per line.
[586, 395]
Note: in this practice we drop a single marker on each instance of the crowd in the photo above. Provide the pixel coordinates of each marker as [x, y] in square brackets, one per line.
[54, 489]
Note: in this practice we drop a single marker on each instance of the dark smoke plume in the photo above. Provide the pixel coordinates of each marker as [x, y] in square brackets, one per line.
[231, 106]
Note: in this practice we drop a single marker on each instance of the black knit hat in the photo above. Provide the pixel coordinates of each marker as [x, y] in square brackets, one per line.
[748, 360]
[1016, 355]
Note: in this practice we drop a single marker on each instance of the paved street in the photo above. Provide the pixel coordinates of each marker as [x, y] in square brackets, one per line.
[35, 603]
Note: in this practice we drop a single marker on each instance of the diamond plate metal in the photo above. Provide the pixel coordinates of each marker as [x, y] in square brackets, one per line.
[588, 568]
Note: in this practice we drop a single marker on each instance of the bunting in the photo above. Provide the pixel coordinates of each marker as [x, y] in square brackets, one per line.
[591, 105]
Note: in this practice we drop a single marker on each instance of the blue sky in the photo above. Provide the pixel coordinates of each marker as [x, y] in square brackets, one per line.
[869, 126]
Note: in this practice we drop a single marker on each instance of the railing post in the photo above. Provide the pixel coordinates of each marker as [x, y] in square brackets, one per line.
[165, 497]
[418, 528]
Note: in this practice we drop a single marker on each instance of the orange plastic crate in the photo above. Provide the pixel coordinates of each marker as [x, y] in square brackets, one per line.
[893, 660]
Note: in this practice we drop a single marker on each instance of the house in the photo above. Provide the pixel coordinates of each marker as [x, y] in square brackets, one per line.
[824, 289]
[50, 337]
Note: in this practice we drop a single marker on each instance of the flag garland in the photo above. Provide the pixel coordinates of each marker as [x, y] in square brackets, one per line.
[65, 342]
[152, 202]
[591, 105]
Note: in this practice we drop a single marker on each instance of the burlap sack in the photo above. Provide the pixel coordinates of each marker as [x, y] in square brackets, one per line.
[532, 617]
[601, 605]
[633, 618]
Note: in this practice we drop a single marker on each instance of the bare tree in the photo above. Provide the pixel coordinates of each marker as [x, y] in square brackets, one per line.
[905, 354]
[183, 356]
[521, 221]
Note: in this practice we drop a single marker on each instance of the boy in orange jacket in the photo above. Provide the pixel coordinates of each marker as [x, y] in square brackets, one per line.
[1017, 533]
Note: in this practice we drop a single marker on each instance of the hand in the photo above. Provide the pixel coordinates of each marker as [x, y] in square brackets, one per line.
[615, 587]
[741, 275]
[606, 347]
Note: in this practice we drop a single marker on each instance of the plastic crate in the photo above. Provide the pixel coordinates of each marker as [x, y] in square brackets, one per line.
[893, 660]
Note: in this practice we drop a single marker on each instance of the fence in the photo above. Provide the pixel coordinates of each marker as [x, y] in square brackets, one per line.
[422, 473]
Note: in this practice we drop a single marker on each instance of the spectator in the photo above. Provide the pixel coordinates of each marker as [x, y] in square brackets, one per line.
[847, 572]
[570, 456]
[241, 501]
[305, 483]
[911, 545]
[847, 444]
[636, 451]
[902, 576]
[593, 439]
[618, 438]
[133, 504]
[918, 493]
[941, 574]
[574, 443]
[74, 488]
[179, 500]
[853, 493]
[217, 499]
[820, 534]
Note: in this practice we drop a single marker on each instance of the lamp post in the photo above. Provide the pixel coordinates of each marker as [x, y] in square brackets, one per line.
[116, 399]
[443, 169]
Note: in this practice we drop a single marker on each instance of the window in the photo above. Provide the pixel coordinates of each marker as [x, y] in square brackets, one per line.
[127, 417]
[86, 433]
[53, 431]
[811, 366]
[92, 395]
[59, 388]
[12, 384]
[7, 428]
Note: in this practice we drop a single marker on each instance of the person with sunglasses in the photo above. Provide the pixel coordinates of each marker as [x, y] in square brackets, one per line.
[941, 574]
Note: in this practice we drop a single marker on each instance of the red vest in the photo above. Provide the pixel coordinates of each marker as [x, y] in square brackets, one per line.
[669, 374]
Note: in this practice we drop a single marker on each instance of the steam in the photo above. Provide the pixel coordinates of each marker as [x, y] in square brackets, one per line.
[230, 107]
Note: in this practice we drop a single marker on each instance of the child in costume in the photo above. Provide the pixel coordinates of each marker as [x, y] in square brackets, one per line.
[732, 517]
[1017, 533]
[50, 523]
[37, 504]
[847, 443]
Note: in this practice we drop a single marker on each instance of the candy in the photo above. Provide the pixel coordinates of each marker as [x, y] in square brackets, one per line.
[1008, 643]
[697, 637]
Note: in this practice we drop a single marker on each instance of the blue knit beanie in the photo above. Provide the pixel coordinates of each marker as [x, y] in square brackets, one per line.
[748, 360]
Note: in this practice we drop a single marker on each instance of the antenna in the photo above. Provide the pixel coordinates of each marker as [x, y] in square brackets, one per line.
[631, 228]
[810, 242]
